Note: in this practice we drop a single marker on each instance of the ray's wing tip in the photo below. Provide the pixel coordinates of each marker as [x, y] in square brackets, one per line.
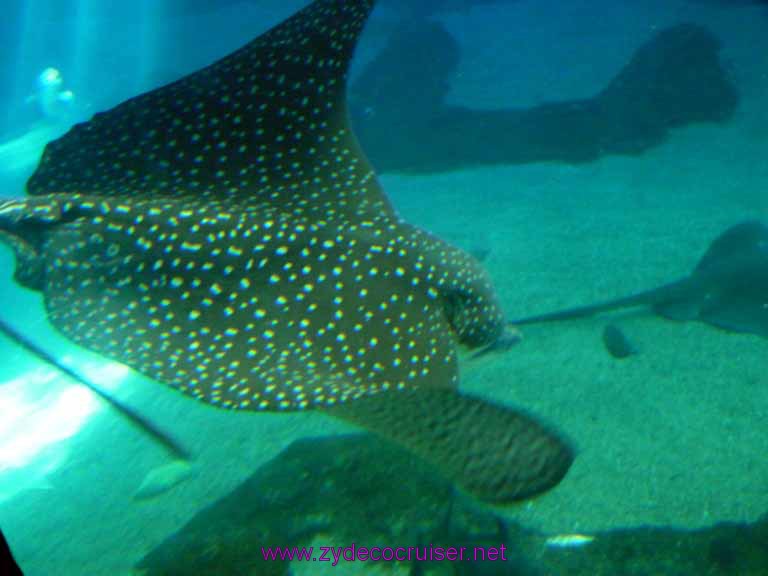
[549, 470]
[164, 139]
[522, 458]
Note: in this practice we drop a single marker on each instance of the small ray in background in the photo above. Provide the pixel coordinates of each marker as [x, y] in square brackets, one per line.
[728, 288]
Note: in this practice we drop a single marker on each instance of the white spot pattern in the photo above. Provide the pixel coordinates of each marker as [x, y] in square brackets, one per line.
[233, 241]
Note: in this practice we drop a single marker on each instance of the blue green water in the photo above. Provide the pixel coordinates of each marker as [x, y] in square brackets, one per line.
[673, 436]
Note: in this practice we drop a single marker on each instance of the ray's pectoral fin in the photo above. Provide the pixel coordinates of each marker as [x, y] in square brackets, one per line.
[737, 316]
[496, 453]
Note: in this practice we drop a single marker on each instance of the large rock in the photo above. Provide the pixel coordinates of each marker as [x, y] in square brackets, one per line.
[358, 489]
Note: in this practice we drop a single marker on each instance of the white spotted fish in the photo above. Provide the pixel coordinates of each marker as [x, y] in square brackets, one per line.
[226, 236]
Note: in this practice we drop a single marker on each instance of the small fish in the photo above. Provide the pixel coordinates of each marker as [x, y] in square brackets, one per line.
[569, 540]
[161, 479]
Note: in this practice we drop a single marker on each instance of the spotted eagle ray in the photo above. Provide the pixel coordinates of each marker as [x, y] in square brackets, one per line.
[728, 288]
[225, 235]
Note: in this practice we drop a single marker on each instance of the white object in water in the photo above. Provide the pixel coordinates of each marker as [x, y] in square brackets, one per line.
[53, 100]
[161, 479]
[569, 540]
[50, 78]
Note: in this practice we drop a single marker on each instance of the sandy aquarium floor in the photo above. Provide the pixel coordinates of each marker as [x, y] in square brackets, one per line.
[677, 434]
[674, 435]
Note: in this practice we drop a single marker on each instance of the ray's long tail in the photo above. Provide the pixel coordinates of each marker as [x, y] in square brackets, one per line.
[655, 296]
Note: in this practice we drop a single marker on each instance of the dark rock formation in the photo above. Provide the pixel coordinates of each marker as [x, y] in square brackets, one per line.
[404, 123]
[359, 489]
